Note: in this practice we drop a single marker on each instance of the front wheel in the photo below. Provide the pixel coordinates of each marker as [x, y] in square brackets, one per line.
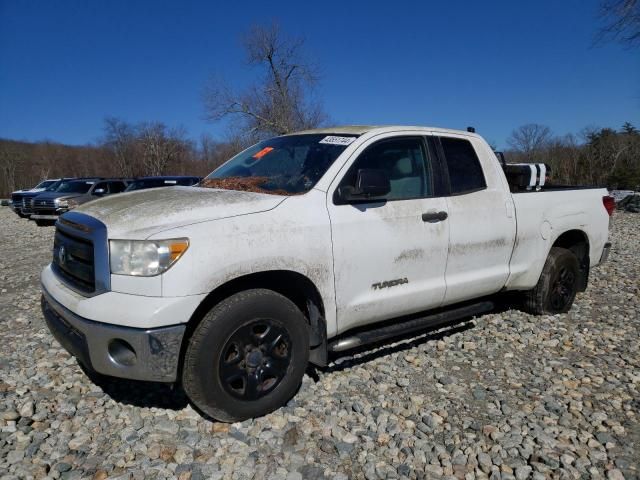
[247, 356]
[557, 286]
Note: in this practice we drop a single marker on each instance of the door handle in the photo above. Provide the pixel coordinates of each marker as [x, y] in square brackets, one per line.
[434, 217]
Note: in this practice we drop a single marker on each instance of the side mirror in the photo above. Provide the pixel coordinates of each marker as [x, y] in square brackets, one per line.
[370, 183]
[99, 191]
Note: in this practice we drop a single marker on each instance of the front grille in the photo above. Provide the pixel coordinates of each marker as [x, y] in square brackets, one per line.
[44, 204]
[73, 261]
[26, 205]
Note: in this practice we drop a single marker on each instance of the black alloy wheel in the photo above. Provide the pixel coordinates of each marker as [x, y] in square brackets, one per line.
[247, 356]
[563, 289]
[255, 359]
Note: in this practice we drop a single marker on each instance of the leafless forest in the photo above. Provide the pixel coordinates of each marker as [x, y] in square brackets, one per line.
[282, 99]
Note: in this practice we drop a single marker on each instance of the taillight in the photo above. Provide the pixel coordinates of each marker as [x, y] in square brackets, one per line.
[609, 204]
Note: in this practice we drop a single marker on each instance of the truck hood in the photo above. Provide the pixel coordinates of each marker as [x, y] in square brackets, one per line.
[140, 214]
[29, 190]
[54, 195]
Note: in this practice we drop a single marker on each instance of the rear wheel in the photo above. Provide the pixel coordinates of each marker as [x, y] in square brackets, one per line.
[247, 356]
[557, 286]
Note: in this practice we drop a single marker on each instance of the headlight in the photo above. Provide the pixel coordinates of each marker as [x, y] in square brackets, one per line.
[145, 258]
[61, 203]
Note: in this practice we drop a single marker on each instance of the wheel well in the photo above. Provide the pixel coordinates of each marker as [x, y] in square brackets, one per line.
[295, 286]
[577, 242]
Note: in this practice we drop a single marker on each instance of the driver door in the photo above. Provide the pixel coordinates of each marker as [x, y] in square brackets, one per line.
[390, 253]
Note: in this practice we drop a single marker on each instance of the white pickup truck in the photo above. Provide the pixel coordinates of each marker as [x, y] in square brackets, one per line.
[307, 244]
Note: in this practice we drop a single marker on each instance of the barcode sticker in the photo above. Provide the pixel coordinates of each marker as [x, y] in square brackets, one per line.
[331, 140]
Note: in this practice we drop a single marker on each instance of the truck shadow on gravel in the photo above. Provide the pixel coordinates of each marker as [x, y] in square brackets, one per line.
[373, 351]
[140, 394]
[159, 395]
[367, 353]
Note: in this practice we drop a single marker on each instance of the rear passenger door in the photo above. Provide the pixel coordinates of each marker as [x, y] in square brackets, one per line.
[390, 252]
[481, 223]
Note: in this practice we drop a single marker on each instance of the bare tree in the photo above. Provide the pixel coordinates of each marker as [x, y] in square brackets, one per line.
[621, 20]
[530, 139]
[10, 162]
[160, 147]
[120, 139]
[281, 101]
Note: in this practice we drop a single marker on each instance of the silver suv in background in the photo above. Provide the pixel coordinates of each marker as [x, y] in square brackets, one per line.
[18, 196]
[47, 206]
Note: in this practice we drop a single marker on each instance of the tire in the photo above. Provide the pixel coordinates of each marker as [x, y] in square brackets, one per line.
[247, 356]
[557, 286]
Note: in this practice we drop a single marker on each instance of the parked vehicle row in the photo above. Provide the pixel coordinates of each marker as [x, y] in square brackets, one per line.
[52, 197]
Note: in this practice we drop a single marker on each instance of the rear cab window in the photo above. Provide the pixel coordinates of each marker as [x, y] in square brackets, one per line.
[463, 166]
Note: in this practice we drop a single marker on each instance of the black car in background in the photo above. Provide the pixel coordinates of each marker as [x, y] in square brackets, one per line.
[143, 183]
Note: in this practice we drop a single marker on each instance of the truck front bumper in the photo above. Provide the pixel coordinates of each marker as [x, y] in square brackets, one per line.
[125, 352]
[42, 216]
[47, 214]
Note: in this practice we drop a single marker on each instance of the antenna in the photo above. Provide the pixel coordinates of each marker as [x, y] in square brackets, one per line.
[471, 129]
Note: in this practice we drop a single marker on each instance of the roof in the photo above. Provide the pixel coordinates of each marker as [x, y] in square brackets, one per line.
[166, 177]
[362, 129]
[346, 129]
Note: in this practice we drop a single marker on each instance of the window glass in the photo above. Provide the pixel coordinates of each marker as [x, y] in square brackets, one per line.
[75, 187]
[403, 161]
[117, 187]
[465, 171]
[187, 182]
[287, 165]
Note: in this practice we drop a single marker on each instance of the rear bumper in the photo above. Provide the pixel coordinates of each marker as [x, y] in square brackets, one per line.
[605, 252]
[125, 352]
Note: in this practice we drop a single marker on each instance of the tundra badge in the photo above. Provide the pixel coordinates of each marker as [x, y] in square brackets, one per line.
[389, 283]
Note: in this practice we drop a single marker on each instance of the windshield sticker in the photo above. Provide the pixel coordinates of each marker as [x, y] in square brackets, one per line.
[262, 153]
[331, 140]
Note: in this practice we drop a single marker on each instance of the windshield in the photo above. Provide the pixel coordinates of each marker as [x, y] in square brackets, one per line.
[288, 165]
[160, 182]
[54, 186]
[74, 187]
[45, 184]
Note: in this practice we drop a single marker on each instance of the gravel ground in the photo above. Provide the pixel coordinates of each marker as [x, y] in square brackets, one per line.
[508, 395]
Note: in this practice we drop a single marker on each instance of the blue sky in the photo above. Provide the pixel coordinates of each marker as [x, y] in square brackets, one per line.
[66, 65]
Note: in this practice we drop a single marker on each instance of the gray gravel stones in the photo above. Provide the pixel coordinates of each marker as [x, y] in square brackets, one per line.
[505, 396]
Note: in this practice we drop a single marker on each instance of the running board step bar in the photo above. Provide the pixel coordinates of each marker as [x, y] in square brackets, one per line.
[409, 326]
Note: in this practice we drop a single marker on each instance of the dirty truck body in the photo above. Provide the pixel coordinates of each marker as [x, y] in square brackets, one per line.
[387, 230]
